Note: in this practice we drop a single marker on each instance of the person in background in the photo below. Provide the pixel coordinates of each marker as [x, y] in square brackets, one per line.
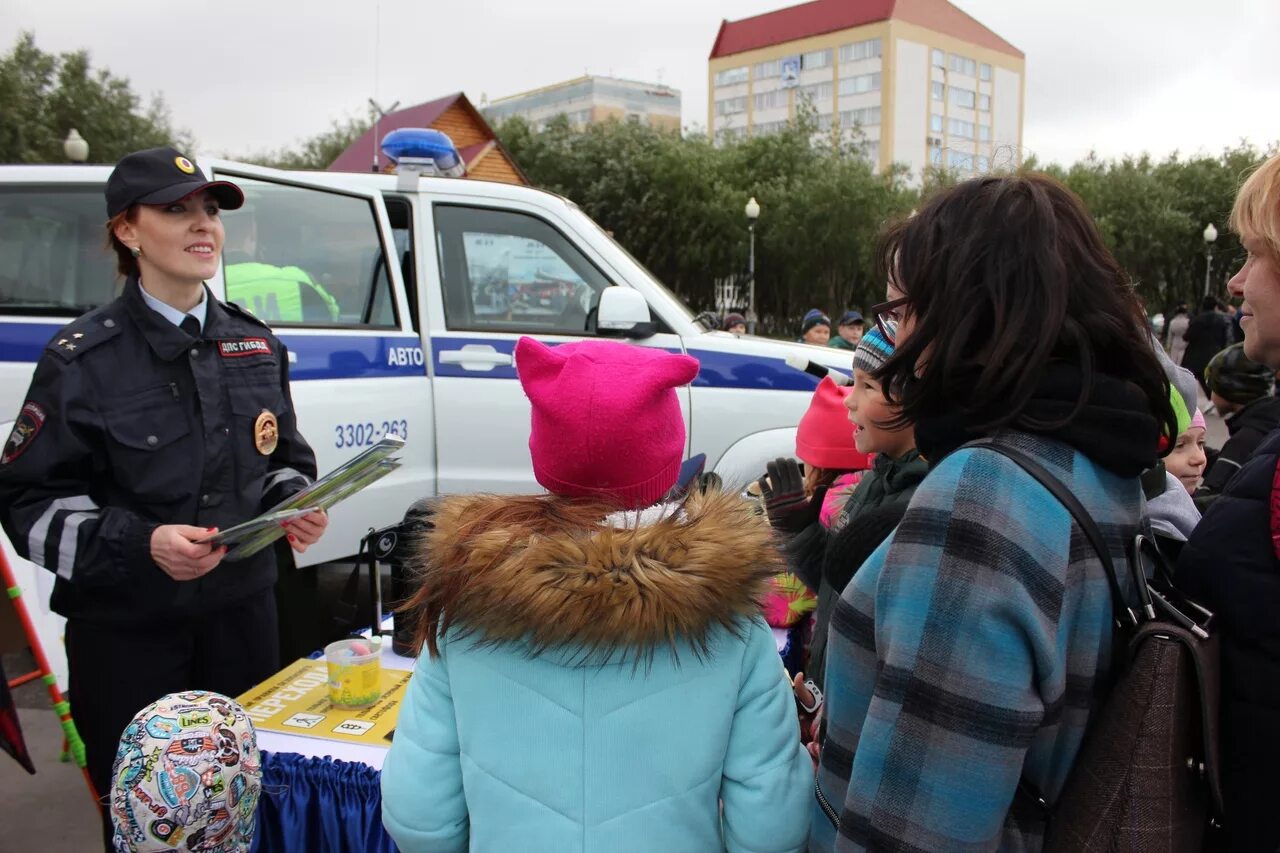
[1208, 333]
[1175, 331]
[1231, 564]
[596, 674]
[815, 328]
[735, 324]
[832, 468]
[1187, 459]
[848, 331]
[1171, 512]
[1241, 391]
[187, 776]
[953, 646]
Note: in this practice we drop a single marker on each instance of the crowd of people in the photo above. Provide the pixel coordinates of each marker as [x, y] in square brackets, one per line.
[599, 666]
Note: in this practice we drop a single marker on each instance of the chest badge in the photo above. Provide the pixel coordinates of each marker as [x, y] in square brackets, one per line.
[266, 433]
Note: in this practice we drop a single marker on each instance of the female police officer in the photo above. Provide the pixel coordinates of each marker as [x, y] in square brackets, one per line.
[150, 422]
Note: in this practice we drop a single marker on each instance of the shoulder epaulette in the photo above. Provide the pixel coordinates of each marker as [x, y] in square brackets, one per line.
[83, 334]
[244, 314]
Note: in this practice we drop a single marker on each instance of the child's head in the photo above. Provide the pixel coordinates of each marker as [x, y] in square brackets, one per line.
[1187, 460]
[824, 438]
[1234, 381]
[606, 420]
[868, 407]
[187, 776]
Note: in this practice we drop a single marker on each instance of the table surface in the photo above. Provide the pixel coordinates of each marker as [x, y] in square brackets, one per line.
[346, 750]
[370, 754]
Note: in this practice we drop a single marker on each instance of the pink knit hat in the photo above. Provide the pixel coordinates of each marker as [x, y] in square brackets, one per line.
[1197, 420]
[606, 418]
[824, 437]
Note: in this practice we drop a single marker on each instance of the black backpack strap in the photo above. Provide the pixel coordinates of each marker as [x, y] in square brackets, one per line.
[1124, 615]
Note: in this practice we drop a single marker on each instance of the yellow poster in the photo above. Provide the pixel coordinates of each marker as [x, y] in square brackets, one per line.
[295, 701]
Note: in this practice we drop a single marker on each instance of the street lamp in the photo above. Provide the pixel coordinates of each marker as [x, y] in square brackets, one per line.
[74, 146]
[1210, 236]
[753, 213]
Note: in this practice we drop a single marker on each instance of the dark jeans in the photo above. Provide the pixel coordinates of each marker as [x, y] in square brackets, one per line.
[116, 670]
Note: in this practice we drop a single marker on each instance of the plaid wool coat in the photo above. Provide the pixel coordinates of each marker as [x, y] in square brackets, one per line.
[968, 651]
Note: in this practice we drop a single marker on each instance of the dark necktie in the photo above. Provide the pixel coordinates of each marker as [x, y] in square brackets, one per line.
[191, 326]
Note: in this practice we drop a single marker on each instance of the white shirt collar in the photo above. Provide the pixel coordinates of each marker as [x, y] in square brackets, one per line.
[173, 315]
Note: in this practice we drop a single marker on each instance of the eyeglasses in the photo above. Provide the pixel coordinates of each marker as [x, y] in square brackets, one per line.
[888, 315]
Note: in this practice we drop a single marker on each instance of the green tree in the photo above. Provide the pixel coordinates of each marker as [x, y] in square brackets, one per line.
[46, 95]
[318, 151]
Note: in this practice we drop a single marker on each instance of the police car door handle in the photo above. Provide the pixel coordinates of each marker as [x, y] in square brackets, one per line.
[477, 357]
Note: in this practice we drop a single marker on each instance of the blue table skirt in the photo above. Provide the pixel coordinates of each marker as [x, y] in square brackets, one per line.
[319, 805]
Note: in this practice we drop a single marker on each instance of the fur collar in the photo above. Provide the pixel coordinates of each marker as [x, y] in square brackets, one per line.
[551, 573]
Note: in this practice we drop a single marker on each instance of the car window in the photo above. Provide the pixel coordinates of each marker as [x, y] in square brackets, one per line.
[53, 254]
[512, 272]
[296, 256]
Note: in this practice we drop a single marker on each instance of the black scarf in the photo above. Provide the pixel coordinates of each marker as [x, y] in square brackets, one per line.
[1115, 428]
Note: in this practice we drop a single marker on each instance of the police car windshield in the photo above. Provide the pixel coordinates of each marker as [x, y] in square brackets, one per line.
[675, 301]
[53, 255]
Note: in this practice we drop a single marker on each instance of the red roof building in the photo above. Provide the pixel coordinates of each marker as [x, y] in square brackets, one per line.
[454, 114]
[923, 83]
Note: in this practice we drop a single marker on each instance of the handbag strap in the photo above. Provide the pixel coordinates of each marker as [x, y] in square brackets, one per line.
[1124, 615]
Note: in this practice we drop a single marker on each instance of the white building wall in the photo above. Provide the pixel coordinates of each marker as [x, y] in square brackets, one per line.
[910, 108]
[1006, 108]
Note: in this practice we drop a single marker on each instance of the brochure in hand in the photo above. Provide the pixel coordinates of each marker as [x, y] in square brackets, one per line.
[363, 469]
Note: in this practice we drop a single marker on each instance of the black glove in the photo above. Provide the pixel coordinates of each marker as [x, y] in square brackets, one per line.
[785, 503]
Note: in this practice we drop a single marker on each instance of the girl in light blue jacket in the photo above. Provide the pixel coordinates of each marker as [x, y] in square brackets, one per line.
[595, 673]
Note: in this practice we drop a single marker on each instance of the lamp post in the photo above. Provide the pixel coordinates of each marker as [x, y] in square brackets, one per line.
[74, 146]
[1210, 236]
[753, 213]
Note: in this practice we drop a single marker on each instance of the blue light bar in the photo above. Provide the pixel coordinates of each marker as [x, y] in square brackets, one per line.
[420, 144]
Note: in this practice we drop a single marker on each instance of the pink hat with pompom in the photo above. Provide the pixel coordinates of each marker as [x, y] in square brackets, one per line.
[606, 419]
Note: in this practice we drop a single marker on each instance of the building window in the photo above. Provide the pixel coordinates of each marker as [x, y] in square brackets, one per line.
[868, 49]
[763, 70]
[816, 59]
[935, 156]
[939, 91]
[733, 132]
[824, 122]
[870, 150]
[766, 127]
[959, 160]
[935, 123]
[860, 84]
[819, 94]
[731, 76]
[771, 100]
[961, 129]
[985, 70]
[984, 103]
[984, 133]
[964, 65]
[938, 59]
[963, 98]
[730, 106]
[866, 117]
[984, 163]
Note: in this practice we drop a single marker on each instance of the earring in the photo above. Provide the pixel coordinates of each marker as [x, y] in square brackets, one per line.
[136, 252]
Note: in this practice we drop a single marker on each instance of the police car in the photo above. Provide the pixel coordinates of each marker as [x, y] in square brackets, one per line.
[401, 298]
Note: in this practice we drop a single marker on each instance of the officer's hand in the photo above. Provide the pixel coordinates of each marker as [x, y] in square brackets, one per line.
[306, 530]
[175, 551]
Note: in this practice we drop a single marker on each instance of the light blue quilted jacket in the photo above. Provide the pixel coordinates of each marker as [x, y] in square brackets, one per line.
[540, 727]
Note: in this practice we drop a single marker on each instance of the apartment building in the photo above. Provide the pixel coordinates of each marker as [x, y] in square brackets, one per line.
[591, 99]
[923, 82]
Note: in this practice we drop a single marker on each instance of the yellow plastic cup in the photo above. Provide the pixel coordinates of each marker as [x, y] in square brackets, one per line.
[355, 672]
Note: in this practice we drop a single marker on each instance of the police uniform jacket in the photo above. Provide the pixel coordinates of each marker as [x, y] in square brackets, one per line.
[130, 423]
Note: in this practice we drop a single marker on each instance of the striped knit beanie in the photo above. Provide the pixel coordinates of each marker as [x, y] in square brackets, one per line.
[873, 351]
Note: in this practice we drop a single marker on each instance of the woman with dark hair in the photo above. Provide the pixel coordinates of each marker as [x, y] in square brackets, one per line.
[968, 652]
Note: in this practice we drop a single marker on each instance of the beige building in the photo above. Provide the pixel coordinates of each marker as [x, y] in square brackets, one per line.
[926, 84]
[588, 100]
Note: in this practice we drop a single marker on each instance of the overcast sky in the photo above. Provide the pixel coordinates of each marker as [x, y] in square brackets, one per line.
[1115, 76]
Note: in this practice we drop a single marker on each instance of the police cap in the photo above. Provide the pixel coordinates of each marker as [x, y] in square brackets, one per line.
[163, 176]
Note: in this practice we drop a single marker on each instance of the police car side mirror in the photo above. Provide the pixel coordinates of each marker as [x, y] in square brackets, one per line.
[624, 312]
